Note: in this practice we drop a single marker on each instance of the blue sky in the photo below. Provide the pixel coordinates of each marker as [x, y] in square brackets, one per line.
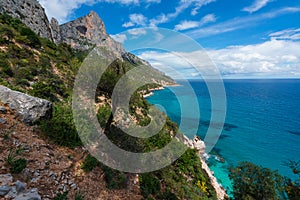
[244, 38]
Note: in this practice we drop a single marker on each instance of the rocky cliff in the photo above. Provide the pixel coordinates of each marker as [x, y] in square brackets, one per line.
[86, 32]
[82, 33]
[31, 13]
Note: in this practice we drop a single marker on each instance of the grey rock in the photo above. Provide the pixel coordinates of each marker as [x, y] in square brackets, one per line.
[6, 179]
[3, 121]
[20, 187]
[88, 31]
[31, 195]
[12, 193]
[4, 190]
[28, 109]
[31, 13]
[56, 35]
[2, 109]
[74, 186]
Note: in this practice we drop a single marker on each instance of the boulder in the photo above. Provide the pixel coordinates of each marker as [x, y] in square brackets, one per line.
[4, 190]
[28, 109]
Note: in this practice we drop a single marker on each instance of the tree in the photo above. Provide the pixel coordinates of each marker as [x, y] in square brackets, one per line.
[253, 182]
[293, 187]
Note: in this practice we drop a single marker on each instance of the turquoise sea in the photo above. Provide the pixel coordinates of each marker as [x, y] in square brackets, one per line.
[262, 122]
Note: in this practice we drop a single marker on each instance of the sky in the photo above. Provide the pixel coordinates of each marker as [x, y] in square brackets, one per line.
[243, 38]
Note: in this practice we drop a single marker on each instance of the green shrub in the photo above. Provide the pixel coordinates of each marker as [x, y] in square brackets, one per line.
[63, 196]
[89, 163]
[254, 182]
[5, 68]
[31, 38]
[114, 179]
[149, 185]
[79, 196]
[103, 115]
[61, 128]
[18, 165]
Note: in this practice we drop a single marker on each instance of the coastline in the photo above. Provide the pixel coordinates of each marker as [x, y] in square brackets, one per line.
[151, 90]
[199, 145]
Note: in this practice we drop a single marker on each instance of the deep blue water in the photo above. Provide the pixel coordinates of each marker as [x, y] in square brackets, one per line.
[262, 122]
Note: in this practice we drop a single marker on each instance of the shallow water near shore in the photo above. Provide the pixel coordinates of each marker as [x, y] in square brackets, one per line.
[262, 122]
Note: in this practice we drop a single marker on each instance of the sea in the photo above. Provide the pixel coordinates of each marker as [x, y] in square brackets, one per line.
[262, 123]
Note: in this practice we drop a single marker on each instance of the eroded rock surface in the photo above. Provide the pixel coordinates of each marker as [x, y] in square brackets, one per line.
[28, 109]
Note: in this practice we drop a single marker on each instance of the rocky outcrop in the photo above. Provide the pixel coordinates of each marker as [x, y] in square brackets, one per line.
[196, 143]
[55, 30]
[86, 32]
[28, 109]
[30, 12]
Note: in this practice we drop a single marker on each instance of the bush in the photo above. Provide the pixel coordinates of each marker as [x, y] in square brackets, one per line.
[292, 187]
[5, 68]
[103, 115]
[114, 179]
[253, 182]
[61, 128]
[149, 185]
[31, 38]
[18, 165]
[63, 196]
[89, 164]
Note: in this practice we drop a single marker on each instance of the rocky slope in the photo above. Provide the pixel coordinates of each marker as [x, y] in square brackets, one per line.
[50, 169]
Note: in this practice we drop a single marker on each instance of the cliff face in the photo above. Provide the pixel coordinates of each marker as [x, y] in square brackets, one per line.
[30, 12]
[82, 33]
[87, 31]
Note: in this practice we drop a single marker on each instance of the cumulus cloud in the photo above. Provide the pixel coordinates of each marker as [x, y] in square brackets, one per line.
[274, 58]
[184, 25]
[62, 9]
[136, 20]
[257, 5]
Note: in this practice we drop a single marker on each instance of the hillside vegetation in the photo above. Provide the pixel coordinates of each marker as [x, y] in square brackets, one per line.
[37, 66]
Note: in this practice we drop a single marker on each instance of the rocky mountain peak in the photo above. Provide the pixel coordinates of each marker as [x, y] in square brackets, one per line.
[86, 32]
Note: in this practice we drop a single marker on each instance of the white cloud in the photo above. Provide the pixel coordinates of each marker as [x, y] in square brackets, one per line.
[184, 25]
[63, 9]
[274, 58]
[135, 20]
[199, 4]
[207, 19]
[183, 5]
[153, 1]
[128, 24]
[257, 5]
[239, 23]
[288, 34]
[137, 31]
[271, 58]
[119, 37]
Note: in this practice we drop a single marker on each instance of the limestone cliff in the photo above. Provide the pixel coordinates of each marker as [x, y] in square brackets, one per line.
[86, 32]
[31, 13]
